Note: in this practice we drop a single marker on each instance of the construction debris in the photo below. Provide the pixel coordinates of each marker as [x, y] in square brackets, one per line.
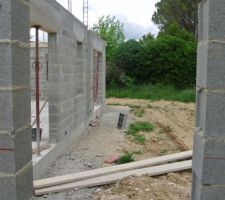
[111, 159]
[111, 174]
[108, 179]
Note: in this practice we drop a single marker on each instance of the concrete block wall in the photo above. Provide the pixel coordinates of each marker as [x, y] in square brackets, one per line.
[209, 139]
[70, 52]
[43, 58]
[97, 46]
[16, 181]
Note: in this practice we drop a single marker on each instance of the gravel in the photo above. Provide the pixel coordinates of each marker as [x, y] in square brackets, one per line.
[86, 153]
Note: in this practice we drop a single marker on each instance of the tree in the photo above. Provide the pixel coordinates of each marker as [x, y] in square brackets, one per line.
[127, 58]
[165, 60]
[112, 31]
[146, 38]
[176, 31]
[181, 12]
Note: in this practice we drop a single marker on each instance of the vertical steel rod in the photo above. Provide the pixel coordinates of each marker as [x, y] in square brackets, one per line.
[83, 10]
[37, 68]
[47, 67]
[87, 13]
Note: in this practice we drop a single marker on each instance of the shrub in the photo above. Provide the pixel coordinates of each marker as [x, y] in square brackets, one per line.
[166, 60]
[126, 158]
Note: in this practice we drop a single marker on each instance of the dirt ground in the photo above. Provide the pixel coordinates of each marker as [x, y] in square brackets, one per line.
[103, 139]
[178, 118]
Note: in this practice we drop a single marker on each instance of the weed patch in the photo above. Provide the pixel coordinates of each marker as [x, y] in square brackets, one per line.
[126, 158]
[135, 129]
[163, 152]
[114, 104]
[139, 112]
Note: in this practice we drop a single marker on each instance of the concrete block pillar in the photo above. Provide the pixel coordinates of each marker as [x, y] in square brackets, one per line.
[209, 139]
[15, 131]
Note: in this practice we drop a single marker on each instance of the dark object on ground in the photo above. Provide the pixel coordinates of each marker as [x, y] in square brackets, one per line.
[34, 134]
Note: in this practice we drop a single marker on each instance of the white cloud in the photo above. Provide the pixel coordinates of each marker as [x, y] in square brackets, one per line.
[135, 14]
[134, 30]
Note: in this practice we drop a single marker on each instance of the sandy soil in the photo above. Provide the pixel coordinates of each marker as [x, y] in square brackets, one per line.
[170, 187]
[179, 117]
[104, 139]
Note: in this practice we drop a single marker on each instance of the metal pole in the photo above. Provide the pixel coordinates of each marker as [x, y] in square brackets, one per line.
[37, 67]
[70, 5]
[47, 67]
[87, 13]
[83, 11]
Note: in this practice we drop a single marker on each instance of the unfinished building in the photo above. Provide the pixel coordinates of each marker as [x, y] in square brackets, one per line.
[75, 88]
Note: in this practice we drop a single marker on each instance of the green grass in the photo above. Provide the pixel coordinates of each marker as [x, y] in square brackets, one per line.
[126, 158]
[132, 106]
[114, 104]
[139, 126]
[135, 128]
[153, 92]
[139, 112]
[163, 152]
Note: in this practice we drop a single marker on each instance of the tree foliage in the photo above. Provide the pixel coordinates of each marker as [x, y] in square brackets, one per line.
[166, 60]
[112, 31]
[180, 12]
[146, 38]
[176, 31]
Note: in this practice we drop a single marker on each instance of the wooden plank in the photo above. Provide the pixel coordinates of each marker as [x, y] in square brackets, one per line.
[103, 180]
[109, 170]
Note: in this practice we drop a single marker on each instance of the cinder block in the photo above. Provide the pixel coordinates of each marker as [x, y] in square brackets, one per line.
[215, 147]
[215, 115]
[55, 98]
[202, 59]
[11, 26]
[54, 118]
[24, 183]
[68, 104]
[5, 23]
[19, 153]
[206, 192]
[14, 69]
[20, 25]
[20, 67]
[198, 155]
[54, 108]
[216, 12]
[23, 144]
[196, 187]
[55, 138]
[208, 160]
[210, 113]
[67, 122]
[67, 113]
[213, 171]
[21, 108]
[215, 65]
[6, 141]
[8, 188]
[6, 54]
[213, 192]
[210, 62]
[200, 110]
[7, 159]
[6, 107]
